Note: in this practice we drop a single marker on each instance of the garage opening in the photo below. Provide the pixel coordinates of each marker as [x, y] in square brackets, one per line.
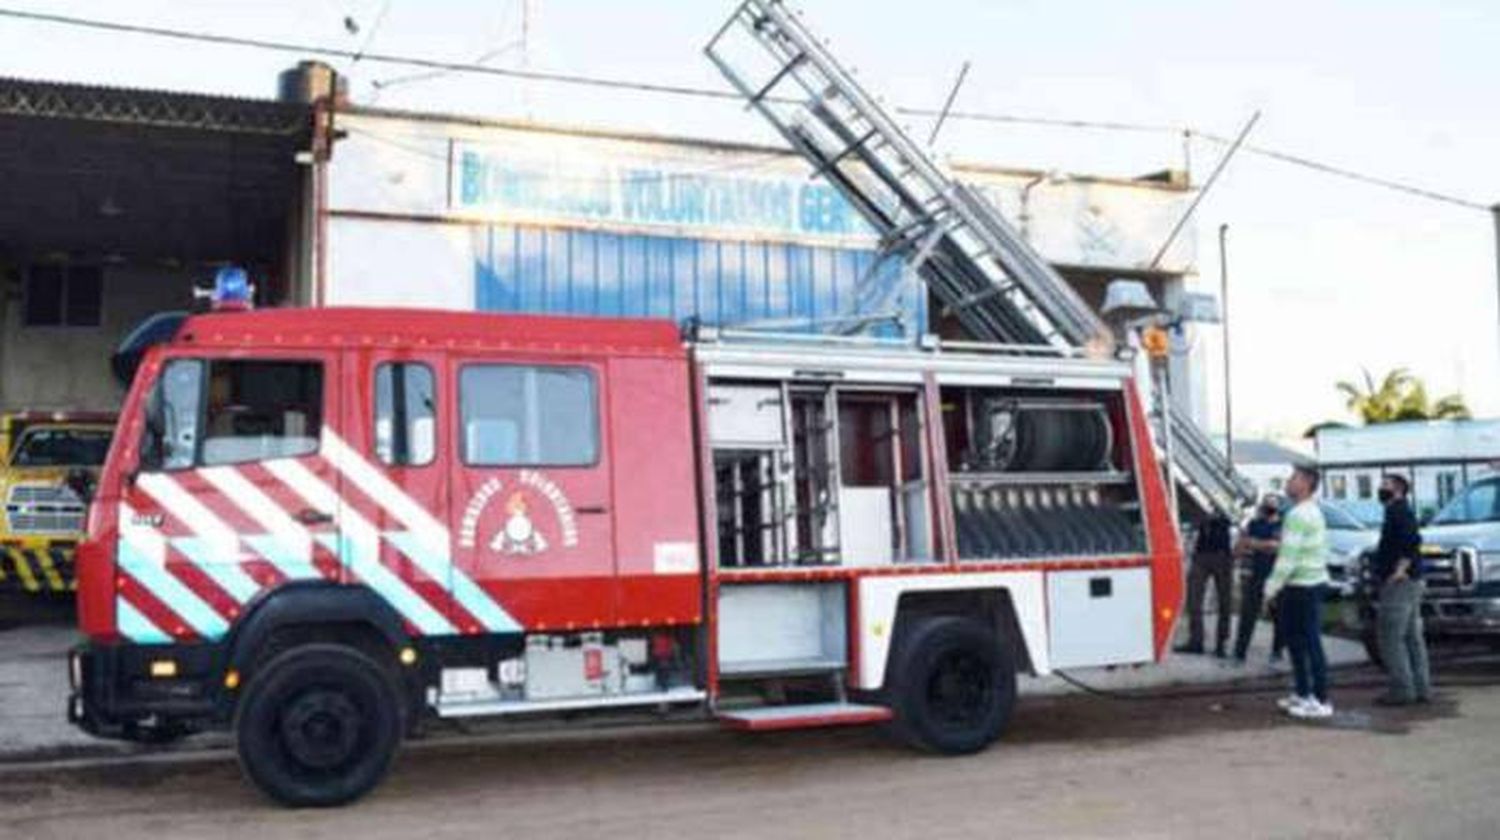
[117, 203]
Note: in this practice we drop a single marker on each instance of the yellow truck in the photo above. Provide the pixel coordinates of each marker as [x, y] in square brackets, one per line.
[43, 457]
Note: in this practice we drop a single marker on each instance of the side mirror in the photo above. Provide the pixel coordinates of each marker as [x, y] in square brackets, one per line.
[81, 482]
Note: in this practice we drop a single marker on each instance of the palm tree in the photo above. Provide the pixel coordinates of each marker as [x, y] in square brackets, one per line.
[1399, 396]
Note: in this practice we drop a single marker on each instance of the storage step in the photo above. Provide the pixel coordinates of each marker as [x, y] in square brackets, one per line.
[771, 718]
[767, 668]
[493, 707]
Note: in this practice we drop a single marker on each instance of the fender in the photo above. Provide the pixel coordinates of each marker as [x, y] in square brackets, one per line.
[310, 603]
[878, 598]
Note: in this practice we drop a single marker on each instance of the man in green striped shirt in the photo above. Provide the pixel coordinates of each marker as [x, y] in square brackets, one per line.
[1298, 581]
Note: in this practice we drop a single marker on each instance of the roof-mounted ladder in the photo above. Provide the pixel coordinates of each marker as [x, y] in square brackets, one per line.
[981, 269]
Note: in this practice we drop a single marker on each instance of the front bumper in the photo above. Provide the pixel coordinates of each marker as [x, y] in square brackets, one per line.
[39, 566]
[113, 693]
[1461, 616]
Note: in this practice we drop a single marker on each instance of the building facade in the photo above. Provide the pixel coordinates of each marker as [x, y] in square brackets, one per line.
[1438, 457]
[127, 200]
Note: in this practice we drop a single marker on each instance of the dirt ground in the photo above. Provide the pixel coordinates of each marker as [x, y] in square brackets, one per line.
[1072, 766]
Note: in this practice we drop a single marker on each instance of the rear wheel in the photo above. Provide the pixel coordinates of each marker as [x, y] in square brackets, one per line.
[319, 725]
[953, 686]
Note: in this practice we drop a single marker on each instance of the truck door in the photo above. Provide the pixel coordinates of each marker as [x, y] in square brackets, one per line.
[232, 493]
[393, 457]
[531, 508]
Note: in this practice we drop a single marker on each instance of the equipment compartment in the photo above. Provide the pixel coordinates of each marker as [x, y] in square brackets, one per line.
[1040, 476]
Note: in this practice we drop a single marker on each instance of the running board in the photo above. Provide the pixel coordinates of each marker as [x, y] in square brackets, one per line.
[772, 718]
[496, 708]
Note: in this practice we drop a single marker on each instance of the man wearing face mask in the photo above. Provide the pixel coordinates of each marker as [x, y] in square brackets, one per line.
[1396, 569]
[1257, 545]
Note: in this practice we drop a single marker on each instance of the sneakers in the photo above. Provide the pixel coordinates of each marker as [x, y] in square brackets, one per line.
[1287, 703]
[1310, 708]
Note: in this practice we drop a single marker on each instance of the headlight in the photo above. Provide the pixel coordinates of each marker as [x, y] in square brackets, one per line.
[1489, 565]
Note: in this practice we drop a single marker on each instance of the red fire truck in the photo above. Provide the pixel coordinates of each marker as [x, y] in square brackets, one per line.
[322, 527]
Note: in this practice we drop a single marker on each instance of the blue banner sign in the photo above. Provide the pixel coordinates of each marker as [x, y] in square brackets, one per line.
[677, 195]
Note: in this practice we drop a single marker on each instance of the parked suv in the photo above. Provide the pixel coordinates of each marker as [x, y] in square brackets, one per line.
[1461, 557]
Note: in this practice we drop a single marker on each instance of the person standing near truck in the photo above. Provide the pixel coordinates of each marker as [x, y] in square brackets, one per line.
[1397, 573]
[1298, 581]
[1212, 562]
[1258, 545]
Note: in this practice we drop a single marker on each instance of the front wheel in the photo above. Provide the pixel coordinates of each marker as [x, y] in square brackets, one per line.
[953, 686]
[319, 725]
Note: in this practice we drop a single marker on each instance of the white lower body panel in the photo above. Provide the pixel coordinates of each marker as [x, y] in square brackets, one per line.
[879, 597]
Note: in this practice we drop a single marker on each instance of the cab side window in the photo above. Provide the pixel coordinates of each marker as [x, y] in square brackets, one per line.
[405, 414]
[233, 411]
[524, 416]
[172, 426]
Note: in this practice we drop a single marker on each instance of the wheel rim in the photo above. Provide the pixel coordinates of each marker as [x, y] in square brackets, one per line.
[961, 690]
[322, 728]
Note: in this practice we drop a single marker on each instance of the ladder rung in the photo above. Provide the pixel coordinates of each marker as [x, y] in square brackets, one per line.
[843, 153]
[776, 79]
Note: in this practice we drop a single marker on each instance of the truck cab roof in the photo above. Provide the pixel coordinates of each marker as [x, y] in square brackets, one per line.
[343, 326]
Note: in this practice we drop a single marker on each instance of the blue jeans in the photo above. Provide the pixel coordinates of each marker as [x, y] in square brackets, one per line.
[1302, 613]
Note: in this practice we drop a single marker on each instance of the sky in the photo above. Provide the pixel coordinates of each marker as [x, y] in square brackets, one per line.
[1327, 276]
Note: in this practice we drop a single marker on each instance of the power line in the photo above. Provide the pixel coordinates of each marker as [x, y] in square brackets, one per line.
[710, 93]
[1330, 169]
[382, 58]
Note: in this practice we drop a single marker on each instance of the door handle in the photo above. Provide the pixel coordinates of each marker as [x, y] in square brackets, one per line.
[308, 516]
[591, 510]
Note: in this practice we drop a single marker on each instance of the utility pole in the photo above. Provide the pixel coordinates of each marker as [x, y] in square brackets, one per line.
[1224, 313]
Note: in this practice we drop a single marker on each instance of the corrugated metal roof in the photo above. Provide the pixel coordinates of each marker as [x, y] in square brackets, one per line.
[136, 106]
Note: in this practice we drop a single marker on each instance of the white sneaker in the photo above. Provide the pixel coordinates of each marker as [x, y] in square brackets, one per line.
[1291, 701]
[1312, 709]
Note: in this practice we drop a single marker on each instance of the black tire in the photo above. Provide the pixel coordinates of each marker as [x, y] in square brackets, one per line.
[318, 725]
[952, 686]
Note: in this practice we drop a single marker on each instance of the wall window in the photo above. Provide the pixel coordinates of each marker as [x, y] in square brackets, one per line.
[1364, 487]
[518, 415]
[405, 414]
[59, 295]
[233, 412]
[1338, 487]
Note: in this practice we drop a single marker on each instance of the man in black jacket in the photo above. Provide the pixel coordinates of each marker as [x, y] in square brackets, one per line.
[1212, 562]
[1397, 572]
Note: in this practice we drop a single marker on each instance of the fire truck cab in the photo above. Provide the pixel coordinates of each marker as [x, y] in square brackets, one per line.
[322, 527]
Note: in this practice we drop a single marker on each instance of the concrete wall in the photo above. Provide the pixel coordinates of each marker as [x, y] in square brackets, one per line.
[68, 367]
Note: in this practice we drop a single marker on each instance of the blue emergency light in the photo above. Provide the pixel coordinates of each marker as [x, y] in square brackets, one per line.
[232, 289]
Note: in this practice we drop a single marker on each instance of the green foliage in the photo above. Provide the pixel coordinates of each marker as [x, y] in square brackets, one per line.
[1398, 396]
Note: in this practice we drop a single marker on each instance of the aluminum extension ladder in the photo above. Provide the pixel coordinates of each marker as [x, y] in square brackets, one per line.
[979, 268]
[982, 271]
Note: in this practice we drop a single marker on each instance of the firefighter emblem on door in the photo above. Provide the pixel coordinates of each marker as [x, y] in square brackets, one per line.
[519, 534]
[534, 516]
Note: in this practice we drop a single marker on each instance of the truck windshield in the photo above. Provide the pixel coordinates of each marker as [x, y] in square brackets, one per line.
[1478, 503]
[62, 447]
